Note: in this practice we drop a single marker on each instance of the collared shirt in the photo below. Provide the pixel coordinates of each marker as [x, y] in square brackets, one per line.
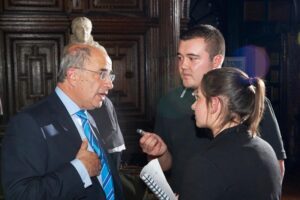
[72, 109]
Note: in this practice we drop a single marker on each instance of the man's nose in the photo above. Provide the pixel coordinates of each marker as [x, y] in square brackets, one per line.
[184, 63]
[109, 84]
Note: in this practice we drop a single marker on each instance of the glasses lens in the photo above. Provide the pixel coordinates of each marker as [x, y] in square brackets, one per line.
[112, 76]
[105, 74]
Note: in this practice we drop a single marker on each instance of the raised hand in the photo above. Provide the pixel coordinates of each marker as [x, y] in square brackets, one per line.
[152, 144]
[89, 159]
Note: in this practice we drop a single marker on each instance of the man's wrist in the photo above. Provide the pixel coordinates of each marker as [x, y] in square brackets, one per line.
[151, 157]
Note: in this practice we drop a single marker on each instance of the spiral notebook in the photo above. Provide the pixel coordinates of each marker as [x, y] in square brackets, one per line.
[155, 179]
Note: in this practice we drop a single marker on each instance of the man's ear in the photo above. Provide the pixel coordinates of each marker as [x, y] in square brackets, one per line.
[215, 105]
[218, 60]
[71, 74]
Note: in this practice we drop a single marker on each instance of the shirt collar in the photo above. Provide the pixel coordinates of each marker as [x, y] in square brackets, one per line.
[70, 105]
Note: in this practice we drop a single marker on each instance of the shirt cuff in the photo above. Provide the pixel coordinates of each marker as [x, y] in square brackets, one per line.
[117, 149]
[82, 171]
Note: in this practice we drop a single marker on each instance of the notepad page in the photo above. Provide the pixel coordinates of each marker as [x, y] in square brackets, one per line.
[155, 179]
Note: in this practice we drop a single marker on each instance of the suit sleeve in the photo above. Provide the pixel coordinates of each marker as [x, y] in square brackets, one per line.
[24, 165]
[270, 132]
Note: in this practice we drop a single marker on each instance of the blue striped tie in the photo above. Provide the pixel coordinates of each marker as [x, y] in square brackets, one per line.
[107, 182]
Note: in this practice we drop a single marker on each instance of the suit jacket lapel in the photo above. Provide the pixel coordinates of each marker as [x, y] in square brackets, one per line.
[62, 116]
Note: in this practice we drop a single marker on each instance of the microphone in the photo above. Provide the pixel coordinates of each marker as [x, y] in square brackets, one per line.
[140, 131]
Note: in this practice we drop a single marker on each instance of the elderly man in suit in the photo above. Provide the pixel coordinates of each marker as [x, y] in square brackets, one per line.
[112, 134]
[53, 149]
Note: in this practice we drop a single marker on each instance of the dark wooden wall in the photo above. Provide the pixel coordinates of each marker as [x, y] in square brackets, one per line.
[139, 35]
[274, 25]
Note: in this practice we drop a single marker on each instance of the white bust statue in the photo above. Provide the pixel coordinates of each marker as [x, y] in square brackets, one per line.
[81, 29]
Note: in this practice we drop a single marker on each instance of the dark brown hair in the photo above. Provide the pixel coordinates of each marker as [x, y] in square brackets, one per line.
[211, 35]
[244, 96]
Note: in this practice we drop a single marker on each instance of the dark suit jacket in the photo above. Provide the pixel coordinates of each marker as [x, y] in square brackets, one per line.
[38, 146]
[107, 123]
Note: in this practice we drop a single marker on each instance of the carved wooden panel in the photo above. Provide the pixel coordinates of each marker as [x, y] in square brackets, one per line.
[3, 93]
[108, 6]
[32, 66]
[126, 52]
[128, 94]
[185, 9]
[33, 5]
[120, 5]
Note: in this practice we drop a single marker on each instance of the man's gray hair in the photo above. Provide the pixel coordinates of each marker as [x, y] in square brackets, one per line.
[73, 57]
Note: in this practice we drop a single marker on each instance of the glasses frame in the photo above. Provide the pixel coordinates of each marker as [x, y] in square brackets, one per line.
[103, 74]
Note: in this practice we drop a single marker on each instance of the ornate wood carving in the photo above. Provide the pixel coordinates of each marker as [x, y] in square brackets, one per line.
[115, 7]
[120, 5]
[153, 8]
[3, 93]
[169, 23]
[152, 70]
[32, 65]
[33, 5]
[128, 94]
[128, 64]
[185, 9]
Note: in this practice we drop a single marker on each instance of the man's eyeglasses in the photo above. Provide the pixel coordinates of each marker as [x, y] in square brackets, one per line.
[103, 74]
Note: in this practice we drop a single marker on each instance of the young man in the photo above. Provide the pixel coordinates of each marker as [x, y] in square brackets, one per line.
[53, 149]
[200, 50]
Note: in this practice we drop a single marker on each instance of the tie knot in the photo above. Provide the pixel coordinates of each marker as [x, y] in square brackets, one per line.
[81, 114]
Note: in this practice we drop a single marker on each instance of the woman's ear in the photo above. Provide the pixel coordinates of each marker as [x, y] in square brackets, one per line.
[215, 105]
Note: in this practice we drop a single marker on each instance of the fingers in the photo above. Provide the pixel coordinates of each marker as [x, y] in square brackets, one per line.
[84, 145]
[145, 137]
[94, 165]
[89, 159]
[152, 144]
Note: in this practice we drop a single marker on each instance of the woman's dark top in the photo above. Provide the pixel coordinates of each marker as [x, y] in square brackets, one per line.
[234, 166]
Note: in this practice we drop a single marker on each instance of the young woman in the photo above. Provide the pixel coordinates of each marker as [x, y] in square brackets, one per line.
[237, 164]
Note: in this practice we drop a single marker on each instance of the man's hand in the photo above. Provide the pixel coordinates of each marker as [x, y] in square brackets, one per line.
[89, 159]
[152, 144]
[155, 147]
